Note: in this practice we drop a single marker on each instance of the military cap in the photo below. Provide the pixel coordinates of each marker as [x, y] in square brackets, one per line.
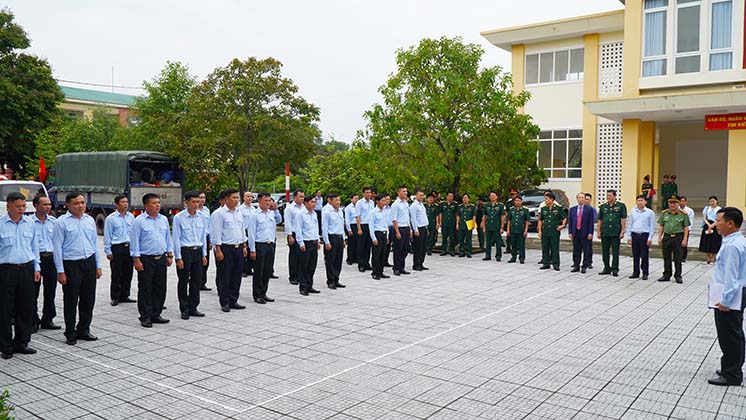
[673, 198]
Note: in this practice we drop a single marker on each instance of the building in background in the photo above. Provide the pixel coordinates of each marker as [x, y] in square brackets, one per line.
[82, 102]
[623, 94]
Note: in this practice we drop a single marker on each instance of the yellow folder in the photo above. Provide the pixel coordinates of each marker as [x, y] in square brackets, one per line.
[470, 224]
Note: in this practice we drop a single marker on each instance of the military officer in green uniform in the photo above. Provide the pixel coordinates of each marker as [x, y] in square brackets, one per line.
[447, 224]
[492, 223]
[518, 218]
[433, 210]
[674, 188]
[480, 214]
[672, 236]
[612, 222]
[665, 191]
[508, 204]
[551, 222]
[466, 212]
[648, 191]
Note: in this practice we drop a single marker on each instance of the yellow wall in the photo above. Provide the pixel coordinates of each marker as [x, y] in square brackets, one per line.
[517, 66]
[736, 189]
[590, 93]
[638, 144]
[632, 47]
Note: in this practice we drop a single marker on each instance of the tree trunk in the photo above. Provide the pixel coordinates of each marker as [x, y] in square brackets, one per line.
[456, 185]
[253, 177]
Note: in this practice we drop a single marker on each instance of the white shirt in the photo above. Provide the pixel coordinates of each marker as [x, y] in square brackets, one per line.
[689, 212]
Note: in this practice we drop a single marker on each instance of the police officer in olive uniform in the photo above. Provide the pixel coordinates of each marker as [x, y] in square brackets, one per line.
[672, 236]
[518, 218]
[508, 204]
[433, 210]
[492, 223]
[648, 191]
[551, 222]
[447, 218]
[612, 222]
[466, 212]
[480, 214]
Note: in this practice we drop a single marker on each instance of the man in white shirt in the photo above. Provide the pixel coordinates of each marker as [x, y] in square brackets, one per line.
[291, 211]
[690, 213]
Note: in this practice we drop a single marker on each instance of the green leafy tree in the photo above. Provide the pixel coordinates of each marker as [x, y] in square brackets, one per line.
[6, 408]
[446, 123]
[246, 119]
[28, 95]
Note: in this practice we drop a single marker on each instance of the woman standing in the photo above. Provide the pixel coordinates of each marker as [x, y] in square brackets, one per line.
[709, 242]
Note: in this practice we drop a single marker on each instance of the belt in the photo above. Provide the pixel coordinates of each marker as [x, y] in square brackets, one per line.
[45, 254]
[233, 245]
[17, 267]
[123, 244]
[673, 235]
[192, 248]
[314, 241]
[335, 234]
[640, 233]
[265, 243]
[155, 257]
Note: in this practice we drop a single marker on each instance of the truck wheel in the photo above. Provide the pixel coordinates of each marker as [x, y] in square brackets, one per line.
[100, 220]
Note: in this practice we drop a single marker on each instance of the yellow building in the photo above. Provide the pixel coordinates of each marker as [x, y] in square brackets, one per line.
[624, 94]
[82, 102]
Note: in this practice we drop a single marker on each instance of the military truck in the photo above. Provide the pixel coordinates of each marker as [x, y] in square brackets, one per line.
[103, 175]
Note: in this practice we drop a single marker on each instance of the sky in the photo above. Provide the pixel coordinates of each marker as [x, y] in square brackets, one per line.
[339, 52]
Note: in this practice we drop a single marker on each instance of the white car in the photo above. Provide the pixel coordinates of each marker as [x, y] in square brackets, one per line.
[27, 188]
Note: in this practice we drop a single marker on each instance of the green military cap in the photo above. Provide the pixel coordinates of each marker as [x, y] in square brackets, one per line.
[673, 198]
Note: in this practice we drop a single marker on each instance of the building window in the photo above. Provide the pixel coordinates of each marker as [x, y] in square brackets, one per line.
[721, 36]
[687, 36]
[554, 66]
[654, 51]
[560, 153]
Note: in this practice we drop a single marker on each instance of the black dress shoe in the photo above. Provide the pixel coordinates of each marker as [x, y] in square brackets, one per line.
[486, 259]
[87, 337]
[424, 268]
[184, 316]
[160, 320]
[260, 301]
[405, 272]
[50, 326]
[272, 276]
[679, 280]
[644, 276]
[225, 308]
[361, 269]
[556, 269]
[7, 356]
[634, 276]
[397, 273]
[303, 292]
[24, 350]
[512, 260]
[312, 290]
[544, 267]
[664, 278]
[331, 286]
[590, 267]
[443, 254]
[582, 270]
[237, 305]
[429, 252]
[295, 282]
[71, 341]
[267, 298]
[523, 261]
[114, 302]
[720, 381]
[146, 324]
[340, 285]
[416, 269]
[468, 255]
[615, 273]
[196, 313]
[205, 289]
[574, 270]
[385, 276]
[376, 277]
[461, 255]
[605, 273]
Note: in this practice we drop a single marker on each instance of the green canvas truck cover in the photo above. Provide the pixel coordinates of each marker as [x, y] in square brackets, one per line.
[100, 171]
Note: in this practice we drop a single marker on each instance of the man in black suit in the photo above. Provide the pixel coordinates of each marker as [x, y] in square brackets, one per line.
[580, 228]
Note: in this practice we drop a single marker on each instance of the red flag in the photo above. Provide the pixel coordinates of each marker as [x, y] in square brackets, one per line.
[42, 169]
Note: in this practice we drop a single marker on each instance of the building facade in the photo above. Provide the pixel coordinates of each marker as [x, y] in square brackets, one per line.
[624, 94]
[81, 103]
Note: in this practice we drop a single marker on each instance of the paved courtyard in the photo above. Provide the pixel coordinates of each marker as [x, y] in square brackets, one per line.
[468, 339]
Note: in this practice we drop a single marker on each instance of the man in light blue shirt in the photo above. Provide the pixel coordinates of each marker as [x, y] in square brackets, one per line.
[730, 275]
[229, 238]
[402, 224]
[262, 235]
[379, 227]
[351, 229]
[246, 210]
[418, 215]
[319, 207]
[307, 235]
[291, 212]
[206, 213]
[44, 223]
[116, 247]
[333, 231]
[19, 269]
[190, 252]
[151, 249]
[78, 266]
[364, 210]
[641, 230]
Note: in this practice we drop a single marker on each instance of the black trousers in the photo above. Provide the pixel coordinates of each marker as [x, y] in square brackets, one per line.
[205, 267]
[352, 248]
[333, 258]
[419, 245]
[729, 326]
[151, 286]
[79, 295]
[293, 258]
[582, 248]
[449, 240]
[121, 271]
[378, 254]
[672, 252]
[364, 245]
[229, 282]
[401, 248]
[640, 253]
[307, 264]
[263, 268]
[190, 279]
[49, 281]
[389, 247]
[248, 263]
[318, 217]
[16, 305]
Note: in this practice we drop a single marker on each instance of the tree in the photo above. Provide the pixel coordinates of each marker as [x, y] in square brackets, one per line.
[28, 94]
[245, 118]
[446, 123]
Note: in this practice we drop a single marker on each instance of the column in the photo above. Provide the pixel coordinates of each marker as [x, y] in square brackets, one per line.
[590, 121]
[736, 182]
